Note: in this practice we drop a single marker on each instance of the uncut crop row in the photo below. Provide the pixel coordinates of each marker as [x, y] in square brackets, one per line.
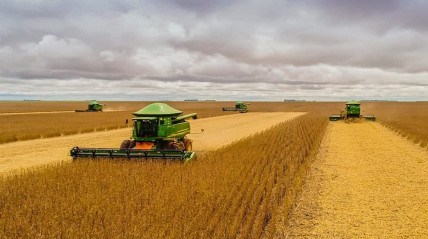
[409, 119]
[234, 192]
[25, 127]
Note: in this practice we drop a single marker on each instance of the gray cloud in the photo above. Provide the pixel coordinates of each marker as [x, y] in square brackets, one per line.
[217, 49]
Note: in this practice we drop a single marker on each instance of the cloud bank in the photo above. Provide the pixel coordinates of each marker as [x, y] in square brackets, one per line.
[226, 50]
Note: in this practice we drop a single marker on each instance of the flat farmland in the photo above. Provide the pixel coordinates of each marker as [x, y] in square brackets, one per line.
[367, 182]
[205, 107]
[232, 191]
[59, 106]
[282, 170]
[408, 119]
[218, 132]
[32, 120]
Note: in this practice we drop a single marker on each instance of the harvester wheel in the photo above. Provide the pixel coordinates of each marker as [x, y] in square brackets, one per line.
[125, 144]
[132, 144]
[187, 145]
[181, 146]
[176, 145]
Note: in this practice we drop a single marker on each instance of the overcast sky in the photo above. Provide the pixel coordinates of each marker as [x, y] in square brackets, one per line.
[223, 49]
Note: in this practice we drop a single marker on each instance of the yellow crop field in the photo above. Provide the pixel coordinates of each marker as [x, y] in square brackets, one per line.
[205, 106]
[186, 119]
[18, 127]
[234, 189]
[24, 127]
[231, 192]
[409, 119]
[39, 106]
[366, 182]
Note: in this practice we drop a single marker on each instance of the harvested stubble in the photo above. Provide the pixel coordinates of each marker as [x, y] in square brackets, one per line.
[234, 192]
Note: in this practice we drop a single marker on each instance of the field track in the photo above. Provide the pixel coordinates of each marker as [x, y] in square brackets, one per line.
[218, 132]
[367, 182]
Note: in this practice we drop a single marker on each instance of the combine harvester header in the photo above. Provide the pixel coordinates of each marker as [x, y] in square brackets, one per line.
[159, 133]
[352, 111]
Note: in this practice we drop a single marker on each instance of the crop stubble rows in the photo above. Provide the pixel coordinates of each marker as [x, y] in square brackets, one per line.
[367, 182]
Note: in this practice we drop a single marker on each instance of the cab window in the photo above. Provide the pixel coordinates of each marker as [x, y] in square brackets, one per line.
[145, 128]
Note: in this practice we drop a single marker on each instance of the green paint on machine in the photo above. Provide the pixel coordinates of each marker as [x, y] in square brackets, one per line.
[241, 107]
[93, 106]
[352, 111]
[159, 132]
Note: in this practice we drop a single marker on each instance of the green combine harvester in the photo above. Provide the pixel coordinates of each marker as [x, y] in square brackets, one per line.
[93, 106]
[159, 133]
[241, 107]
[352, 111]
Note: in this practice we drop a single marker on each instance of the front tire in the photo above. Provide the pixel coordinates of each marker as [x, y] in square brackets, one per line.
[176, 145]
[187, 145]
[132, 144]
[125, 144]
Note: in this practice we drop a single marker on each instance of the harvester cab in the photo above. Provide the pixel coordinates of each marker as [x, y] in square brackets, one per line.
[241, 107]
[159, 131]
[93, 106]
[352, 111]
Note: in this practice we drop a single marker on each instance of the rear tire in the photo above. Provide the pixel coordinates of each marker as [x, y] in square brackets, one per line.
[125, 144]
